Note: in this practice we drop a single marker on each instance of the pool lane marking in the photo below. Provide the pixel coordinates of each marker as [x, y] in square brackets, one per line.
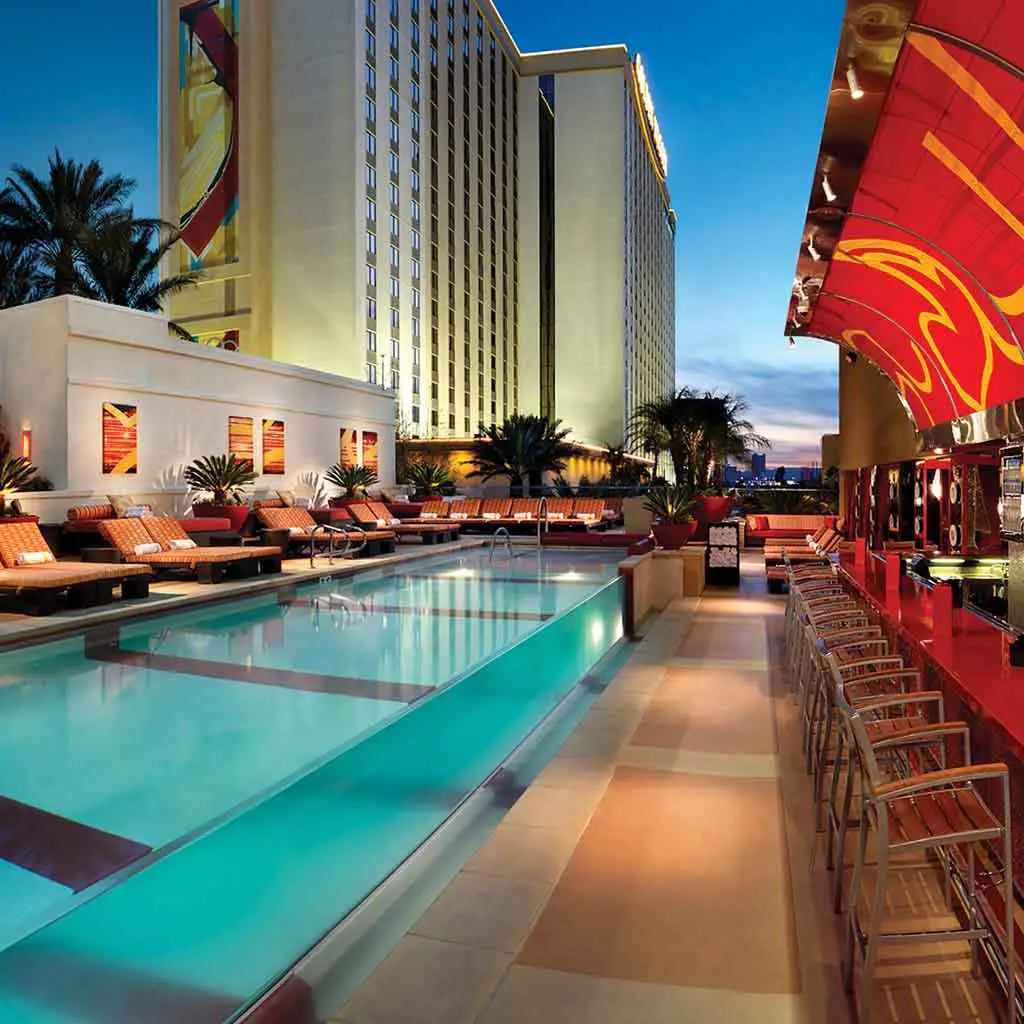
[61, 849]
[105, 646]
[370, 608]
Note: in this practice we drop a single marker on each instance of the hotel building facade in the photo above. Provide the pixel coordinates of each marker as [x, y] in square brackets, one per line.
[390, 191]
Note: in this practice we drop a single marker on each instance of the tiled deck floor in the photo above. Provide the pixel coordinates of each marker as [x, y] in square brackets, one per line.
[659, 869]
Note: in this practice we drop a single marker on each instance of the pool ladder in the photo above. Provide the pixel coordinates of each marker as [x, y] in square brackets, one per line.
[542, 518]
[501, 532]
[332, 532]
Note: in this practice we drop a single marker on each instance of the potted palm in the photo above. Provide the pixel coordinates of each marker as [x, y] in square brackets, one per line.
[223, 478]
[16, 474]
[672, 508]
[352, 481]
[429, 478]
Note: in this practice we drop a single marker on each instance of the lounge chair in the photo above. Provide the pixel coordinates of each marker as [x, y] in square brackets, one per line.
[33, 574]
[559, 515]
[589, 511]
[437, 510]
[306, 532]
[134, 540]
[376, 515]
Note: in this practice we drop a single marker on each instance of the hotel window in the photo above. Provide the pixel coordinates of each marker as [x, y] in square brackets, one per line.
[395, 381]
[371, 308]
[416, 99]
[371, 373]
[371, 110]
[416, 234]
[415, 207]
[393, 193]
[394, 8]
[415, 8]
[371, 275]
[416, 330]
[415, 62]
[396, 350]
[394, 256]
[371, 176]
[371, 243]
[433, 56]
[415, 33]
[394, 317]
[393, 68]
[371, 209]
[393, 164]
[415, 267]
[394, 289]
[371, 77]
[371, 341]
[371, 10]
[394, 226]
[371, 45]
[415, 123]
[393, 36]
[371, 144]
[394, 133]
[394, 101]
[416, 300]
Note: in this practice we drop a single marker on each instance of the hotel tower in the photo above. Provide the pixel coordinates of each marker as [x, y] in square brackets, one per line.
[391, 191]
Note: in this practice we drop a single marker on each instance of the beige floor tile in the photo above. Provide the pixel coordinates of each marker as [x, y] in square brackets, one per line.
[547, 807]
[701, 762]
[525, 852]
[426, 981]
[709, 639]
[582, 773]
[484, 911]
[529, 995]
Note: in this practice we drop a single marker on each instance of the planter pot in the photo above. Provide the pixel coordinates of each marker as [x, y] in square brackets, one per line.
[7, 520]
[345, 502]
[713, 510]
[673, 536]
[237, 514]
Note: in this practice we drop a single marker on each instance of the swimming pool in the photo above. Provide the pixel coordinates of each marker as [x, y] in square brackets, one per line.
[187, 804]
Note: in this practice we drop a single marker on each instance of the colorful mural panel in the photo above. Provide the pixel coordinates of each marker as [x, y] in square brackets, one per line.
[242, 439]
[209, 124]
[349, 447]
[273, 447]
[120, 439]
[371, 451]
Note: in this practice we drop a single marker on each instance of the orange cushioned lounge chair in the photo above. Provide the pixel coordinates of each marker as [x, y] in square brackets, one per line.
[38, 579]
[305, 531]
[437, 510]
[589, 511]
[135, 538]
[376, 515]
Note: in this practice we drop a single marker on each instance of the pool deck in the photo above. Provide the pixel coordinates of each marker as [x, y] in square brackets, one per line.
[660, 868]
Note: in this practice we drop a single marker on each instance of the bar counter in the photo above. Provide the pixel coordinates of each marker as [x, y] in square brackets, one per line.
[970, 665]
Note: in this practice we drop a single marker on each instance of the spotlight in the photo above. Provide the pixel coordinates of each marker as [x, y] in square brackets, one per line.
[851, 357]
[815, 255]
[856, 92]
[792, 342]
[826, 187]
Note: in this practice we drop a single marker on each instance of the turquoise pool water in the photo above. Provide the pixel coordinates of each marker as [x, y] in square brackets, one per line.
[189, 803]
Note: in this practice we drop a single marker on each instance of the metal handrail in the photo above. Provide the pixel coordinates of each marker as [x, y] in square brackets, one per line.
[502, 532]
[332, 532]
[542, 516]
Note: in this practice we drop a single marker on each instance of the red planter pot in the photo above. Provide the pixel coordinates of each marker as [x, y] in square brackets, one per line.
[713, 510]
[673, 536]
[237, 514]
[7, 520]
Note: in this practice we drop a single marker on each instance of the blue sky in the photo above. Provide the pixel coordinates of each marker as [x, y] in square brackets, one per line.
[740, 91]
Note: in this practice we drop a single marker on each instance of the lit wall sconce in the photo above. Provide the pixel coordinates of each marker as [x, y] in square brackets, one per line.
[856, 92]
[826, 186]
[936, 487]
[815, 255]
[26, 444]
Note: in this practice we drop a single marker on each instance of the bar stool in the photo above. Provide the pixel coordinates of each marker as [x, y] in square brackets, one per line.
[934, 812]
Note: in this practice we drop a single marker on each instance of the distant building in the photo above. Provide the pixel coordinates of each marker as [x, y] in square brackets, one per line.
[758, 464]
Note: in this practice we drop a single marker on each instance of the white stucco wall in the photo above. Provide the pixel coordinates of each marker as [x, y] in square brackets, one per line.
[60, 360]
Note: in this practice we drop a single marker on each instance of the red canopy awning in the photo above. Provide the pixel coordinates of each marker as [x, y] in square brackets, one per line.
[916, 261]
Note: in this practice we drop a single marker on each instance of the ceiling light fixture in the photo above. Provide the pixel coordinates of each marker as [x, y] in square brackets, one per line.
[826, 187]
[856, 92]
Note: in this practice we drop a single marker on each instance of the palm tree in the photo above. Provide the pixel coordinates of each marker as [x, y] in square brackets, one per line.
[522, 449]
[52, 215]
[19, 278]
[699, 430]
[120, 263]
